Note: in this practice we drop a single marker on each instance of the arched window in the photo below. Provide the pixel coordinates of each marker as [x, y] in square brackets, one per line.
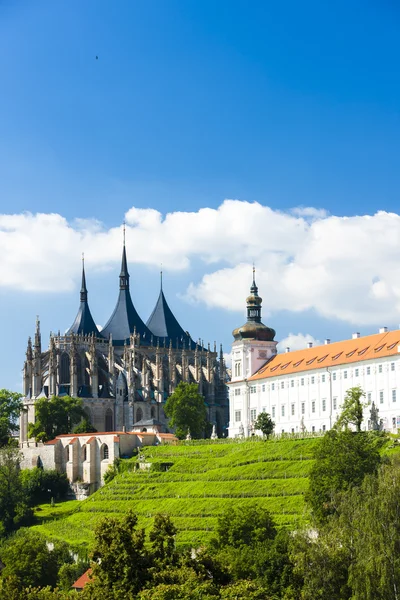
[153, 412]
[109, 420]
[64, 368]
[84, 452]
[139, 415]
[104, 452]
[66, 453]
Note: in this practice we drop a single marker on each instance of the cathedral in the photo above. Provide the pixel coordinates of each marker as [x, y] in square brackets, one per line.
[125, 372]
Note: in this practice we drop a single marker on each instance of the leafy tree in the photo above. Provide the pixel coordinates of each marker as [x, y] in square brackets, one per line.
[85, 426]
[244, 526]
[55, 416]
[27, 557]
[265, 424]
[14, 509]
[352, 409]
[342, 460]
[41, 485]
[121, 559]
[186, 410]
[10, 407]
[162, 538]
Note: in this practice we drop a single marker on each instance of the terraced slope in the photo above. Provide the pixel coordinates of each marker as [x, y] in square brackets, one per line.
[201, 481]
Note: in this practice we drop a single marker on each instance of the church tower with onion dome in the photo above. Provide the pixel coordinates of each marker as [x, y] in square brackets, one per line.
[254, 342]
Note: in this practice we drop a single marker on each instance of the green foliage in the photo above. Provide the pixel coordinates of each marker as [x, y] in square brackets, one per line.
[342, 460]
[352, 409]
[27, 557]
[265, 424]
[55, 416]
[112, 470]
[70, 572]
[10, 408]
[41, 486]
[186, 410]
[84, 426]
[14, 509]
[246, 526]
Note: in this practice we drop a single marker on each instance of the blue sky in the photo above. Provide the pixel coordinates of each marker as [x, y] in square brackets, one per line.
[189, 103]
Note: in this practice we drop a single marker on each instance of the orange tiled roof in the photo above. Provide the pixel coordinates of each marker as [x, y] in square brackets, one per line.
[379, 345]
[83, 580]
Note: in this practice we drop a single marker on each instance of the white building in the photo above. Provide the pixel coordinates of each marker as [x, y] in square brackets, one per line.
[304, 389]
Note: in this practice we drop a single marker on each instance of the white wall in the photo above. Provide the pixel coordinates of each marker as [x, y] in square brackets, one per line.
[320, 389]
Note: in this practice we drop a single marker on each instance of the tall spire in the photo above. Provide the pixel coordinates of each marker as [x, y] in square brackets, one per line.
[84, 293]
[125, 318]
[84, 323]
[38, 337]
[124, 275]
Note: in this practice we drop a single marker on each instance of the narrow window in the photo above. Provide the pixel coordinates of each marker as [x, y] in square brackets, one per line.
[344, 374]
[272, 386]
[312, 380]
[282, 385]
[253, 414]
[283, 411]
[313, 406]
[334, 376]
[334, 403]
[356, 372]
[380, 369]
[238, 416]
[369, 397]
[323, 427]
[302, 381]
[263, 387]
[292, 409]
[303, 408]
[324, 404]
[394, 395]
[313, 428]
[392, 366]
[273, 411]
[381, 397]
[323, 378]
[368, 370]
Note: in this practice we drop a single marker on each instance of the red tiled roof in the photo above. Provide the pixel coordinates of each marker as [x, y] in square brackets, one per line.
[379, 345]
[82, 580]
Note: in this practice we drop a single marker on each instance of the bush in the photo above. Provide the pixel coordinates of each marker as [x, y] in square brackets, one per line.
[40, 485]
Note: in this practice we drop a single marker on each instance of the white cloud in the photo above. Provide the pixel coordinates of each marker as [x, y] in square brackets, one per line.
[342, 267]
[297, 341]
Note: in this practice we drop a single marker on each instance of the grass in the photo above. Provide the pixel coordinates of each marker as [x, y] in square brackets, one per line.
[202, 481]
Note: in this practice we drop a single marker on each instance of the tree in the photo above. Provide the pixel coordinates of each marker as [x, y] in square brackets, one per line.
[244, 526]
[27, 557]
[14, 504]
[342, 460]
[85, 426]
[265, 424]
[10, 408]
[55, 416]
[41, 485]
[352, 409]
[121, 559]
[186, 410]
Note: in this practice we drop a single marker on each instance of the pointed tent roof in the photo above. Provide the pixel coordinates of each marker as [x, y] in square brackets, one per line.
[84, 323]
[125, 318]
[163, 324]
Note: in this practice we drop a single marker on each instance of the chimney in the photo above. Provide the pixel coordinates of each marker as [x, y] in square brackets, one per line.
[287, 349]
[327, 341]
[383, 330]
[309, 344]
[356, 335]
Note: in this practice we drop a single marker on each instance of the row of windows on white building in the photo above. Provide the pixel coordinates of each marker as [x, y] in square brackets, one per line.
[335, 405]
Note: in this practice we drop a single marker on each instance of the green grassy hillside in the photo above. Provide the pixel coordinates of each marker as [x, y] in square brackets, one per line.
[202, 480]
